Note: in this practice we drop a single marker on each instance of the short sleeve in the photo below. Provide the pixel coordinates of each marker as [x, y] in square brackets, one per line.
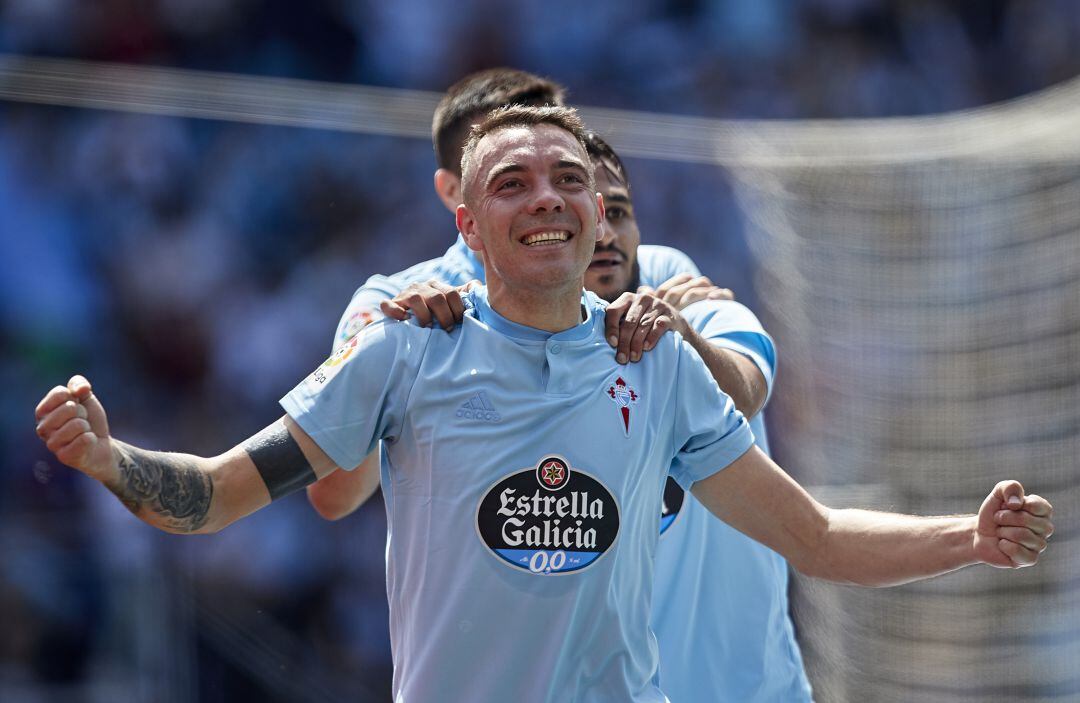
[659, 263]
[364, 308]
[732, 325]
[709, 432]
[358, 396]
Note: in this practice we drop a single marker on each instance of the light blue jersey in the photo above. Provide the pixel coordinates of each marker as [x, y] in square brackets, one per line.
[720, 604]
[460, 264]
[525, 471]
[456, 267]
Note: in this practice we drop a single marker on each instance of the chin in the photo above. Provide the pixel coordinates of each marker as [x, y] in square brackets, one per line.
[605, 287]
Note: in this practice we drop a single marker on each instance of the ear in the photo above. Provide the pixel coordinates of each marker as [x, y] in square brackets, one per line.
[600, 214]
[466, 224]
[448, 188]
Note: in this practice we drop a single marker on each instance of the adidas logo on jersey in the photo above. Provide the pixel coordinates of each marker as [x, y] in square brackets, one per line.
[478, 407]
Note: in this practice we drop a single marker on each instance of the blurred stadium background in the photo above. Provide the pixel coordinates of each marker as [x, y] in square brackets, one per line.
[191, 190]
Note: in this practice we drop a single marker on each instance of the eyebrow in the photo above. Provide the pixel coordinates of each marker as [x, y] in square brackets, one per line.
[617, 198]
[566, 163]
[518, 168]
[501, 170]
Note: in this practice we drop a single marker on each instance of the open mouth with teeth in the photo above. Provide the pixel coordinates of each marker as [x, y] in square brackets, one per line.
[540, 239]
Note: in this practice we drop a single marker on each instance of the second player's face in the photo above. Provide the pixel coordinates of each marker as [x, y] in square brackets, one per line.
[614, 269]
[534, 213]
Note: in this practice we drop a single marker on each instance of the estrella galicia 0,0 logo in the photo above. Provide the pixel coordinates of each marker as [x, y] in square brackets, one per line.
[549, 519]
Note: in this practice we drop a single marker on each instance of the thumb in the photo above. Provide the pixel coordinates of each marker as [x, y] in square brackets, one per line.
[79, 387]
[1011, 493]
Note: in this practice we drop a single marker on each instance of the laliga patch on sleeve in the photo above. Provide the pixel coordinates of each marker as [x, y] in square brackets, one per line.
[358, 320]
[332, 366]
[550, 519]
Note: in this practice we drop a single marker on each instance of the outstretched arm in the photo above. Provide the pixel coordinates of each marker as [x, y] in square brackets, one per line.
[178, 493]
[755, 496]
[342, 492]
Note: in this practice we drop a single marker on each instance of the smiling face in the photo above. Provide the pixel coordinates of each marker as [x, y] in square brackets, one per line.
[530, 208]
[614, 266]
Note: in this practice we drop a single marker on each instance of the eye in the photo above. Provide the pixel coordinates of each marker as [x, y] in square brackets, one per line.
[509, 184]
[614, 214]
[571, 178]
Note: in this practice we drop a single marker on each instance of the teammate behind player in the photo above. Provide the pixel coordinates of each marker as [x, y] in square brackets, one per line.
[720, 601]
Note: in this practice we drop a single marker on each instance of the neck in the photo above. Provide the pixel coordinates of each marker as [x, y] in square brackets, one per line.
[548, 309]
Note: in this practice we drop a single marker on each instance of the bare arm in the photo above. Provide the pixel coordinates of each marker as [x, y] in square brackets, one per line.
[342, 492]
[179, 493]
[736, 375]
[755, 496]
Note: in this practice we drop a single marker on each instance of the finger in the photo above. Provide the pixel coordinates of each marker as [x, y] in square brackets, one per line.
[677, 279]
[95, 415]
[637, 341]
[646, 289]
[1022, 518]
[75, 451]
[456, 303]
[662, 324]
[613, 318]
[57, 419]
[66, 434]
[678, 293]
[1024, 537]
[440, 309]
[56, 397]
[694, 295]
[1018, 554]
[419, 309]
[1011, 494]
[466, 287]
[1037, 505]
[392, 310]
[629, 327]
[721, 294]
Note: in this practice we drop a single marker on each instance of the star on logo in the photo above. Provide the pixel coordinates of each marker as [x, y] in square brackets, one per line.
[553, 473]
[624, 396]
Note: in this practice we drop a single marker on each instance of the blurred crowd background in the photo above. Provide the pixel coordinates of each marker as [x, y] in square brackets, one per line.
[195, 271]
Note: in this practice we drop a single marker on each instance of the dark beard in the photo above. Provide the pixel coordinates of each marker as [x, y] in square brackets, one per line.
[631, 286]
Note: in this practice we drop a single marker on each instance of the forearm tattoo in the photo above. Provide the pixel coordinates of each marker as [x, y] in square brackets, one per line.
[280, 461]
[171, 486]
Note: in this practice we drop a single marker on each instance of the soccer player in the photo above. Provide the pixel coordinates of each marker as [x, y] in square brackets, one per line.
[720, 605]
[520, 564]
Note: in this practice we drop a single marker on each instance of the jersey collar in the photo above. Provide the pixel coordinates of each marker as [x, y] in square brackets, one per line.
[484, 313]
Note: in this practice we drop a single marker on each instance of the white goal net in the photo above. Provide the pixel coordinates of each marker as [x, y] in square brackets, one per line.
[922, 279]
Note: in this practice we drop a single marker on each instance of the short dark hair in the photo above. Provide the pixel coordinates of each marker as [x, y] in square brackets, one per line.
[520, 116]
[602, 154]
[476, 95]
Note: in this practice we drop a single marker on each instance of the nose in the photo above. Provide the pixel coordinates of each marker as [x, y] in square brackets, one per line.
[606, 234]
[546, 199]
